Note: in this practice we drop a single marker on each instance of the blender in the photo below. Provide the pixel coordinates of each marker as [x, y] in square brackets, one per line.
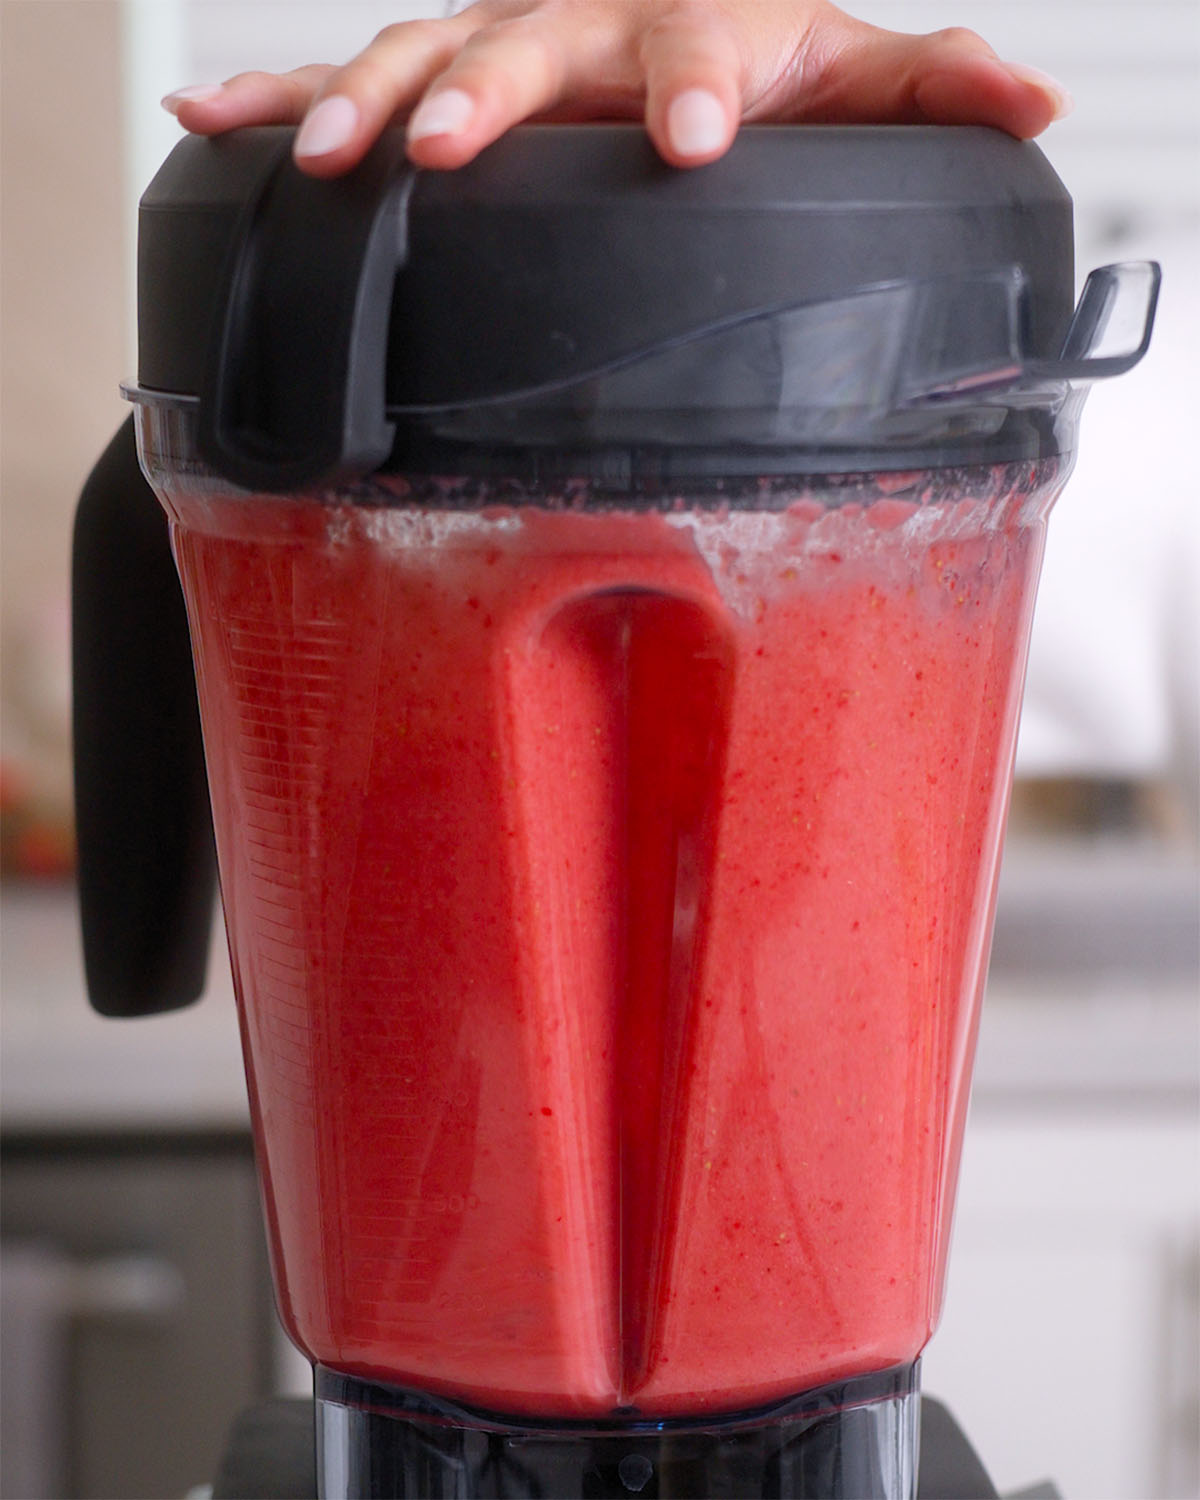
[608, 591]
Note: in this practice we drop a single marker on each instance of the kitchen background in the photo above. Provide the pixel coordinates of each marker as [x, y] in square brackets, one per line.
[136, 1314]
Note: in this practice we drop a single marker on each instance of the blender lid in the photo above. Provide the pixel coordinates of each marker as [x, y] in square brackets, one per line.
[821, 298]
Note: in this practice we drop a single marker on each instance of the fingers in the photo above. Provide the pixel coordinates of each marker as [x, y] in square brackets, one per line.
[694, 69]
[985, 91]
[384, 80]
[504, 73]
[248, 99]
[472, 77]
[341, 111]
[845, 70]
[480, 72]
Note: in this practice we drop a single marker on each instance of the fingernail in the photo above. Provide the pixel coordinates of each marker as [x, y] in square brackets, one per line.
[1064, 104]
[446, 113]
[328, 126]
[193, 95]
[696, 123]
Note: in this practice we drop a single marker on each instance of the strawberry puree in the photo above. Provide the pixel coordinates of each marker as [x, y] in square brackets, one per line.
[609, 895]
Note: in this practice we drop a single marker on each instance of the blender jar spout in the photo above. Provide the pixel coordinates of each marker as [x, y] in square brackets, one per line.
[1111, 329]
[1108, 335]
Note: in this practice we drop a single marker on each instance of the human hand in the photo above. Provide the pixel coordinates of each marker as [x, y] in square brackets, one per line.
[694, 69]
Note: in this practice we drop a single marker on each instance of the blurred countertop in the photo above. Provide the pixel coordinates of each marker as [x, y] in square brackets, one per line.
[1093, 998]
[63, 1067]
[1093, 993]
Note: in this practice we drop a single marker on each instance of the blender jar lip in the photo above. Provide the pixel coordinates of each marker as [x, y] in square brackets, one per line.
[924, 372]
[899, 374]
[1027, 427]
[456, 478]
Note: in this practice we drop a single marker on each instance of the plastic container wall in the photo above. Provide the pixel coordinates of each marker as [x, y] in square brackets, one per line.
[609, 887]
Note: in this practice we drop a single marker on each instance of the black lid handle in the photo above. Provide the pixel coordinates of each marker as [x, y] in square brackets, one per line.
[294, 387]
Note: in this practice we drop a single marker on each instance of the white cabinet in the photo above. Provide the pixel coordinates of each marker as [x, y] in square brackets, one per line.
[1071, 1335]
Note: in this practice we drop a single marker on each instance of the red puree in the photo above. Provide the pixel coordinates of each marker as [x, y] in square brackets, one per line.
[609, 897]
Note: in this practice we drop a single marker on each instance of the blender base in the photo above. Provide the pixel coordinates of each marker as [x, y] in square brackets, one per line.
[855, 1439]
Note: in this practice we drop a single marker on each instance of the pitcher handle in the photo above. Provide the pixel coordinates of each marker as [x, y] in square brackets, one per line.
[146, 864]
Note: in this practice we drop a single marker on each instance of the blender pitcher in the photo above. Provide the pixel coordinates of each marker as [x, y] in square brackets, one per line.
[609, 590]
